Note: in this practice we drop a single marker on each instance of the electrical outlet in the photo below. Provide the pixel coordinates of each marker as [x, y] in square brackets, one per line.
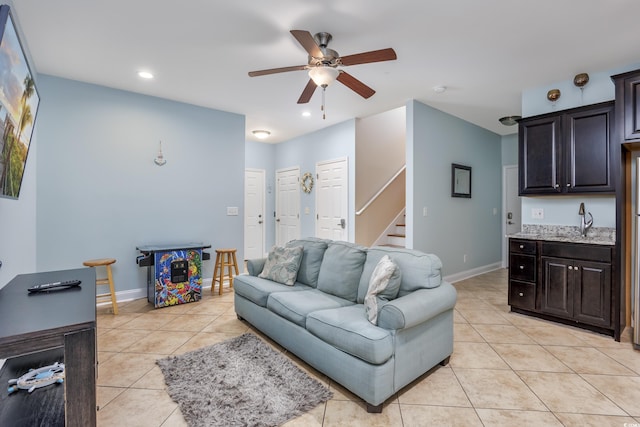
[537, 213]
[424, 211]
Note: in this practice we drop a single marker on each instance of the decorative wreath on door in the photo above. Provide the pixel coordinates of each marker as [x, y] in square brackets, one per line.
[307, 182]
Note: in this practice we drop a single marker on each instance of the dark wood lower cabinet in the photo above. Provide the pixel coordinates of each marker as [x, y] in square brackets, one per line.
[574, 285]
[579, 290]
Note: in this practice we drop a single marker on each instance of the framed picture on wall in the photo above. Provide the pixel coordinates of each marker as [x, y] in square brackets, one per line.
[19, 102]
[460, 181]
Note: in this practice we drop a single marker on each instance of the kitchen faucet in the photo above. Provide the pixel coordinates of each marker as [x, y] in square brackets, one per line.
[584, 225]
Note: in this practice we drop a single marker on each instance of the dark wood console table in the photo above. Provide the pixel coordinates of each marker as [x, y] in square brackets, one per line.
[62, 320]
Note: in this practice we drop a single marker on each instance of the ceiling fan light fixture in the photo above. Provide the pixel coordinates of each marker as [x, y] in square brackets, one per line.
[323, 76]
[261, 134]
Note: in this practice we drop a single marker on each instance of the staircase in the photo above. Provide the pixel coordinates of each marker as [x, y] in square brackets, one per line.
[395, 234]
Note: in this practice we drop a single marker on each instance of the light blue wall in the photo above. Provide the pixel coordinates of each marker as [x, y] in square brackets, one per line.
[453, 227]
[18, 217]
[334, 142]
[99, 193]
[259, 155]
[509, 145]
[563, 210]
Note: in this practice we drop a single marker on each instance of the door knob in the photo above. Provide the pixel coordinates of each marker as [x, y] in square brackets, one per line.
[342, 223]
[259, 222]
[278, 220]
[509, 222]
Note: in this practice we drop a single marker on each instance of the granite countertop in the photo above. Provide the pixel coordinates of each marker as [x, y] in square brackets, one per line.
[569, 234]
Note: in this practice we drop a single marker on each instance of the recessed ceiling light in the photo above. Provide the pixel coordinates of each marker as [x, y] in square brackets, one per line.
[439, 89]
[261, 134]
[306, 114]
[145, 74]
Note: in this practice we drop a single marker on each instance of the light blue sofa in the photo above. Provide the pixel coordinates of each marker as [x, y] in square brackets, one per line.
[322, 320]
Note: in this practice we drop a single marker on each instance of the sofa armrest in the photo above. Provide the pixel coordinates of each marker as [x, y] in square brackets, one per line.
[417, 307]
[255, 266]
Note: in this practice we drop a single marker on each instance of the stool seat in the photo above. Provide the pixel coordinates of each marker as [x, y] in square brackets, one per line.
[99, 262]
[225, 258]
[111, 295]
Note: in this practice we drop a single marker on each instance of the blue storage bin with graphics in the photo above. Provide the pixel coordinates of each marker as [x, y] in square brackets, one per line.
[174, 272]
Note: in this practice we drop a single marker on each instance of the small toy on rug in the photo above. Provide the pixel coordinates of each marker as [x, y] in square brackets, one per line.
[36, 378]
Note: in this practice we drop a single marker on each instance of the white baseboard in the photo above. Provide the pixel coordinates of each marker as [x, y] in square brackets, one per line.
[456, 277]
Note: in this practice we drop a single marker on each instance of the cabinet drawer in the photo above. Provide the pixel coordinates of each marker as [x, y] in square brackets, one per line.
[522, 246]
[522, 267]
[577, 251]
[522, 295]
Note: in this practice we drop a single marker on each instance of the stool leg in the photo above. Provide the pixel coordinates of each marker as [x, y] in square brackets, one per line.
[229, 270]
[234, 262]
[112, 289]
[215, 274]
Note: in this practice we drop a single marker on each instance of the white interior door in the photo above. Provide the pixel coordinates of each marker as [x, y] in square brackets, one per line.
[254, 208]
[287, 205]
[332, 202]
[512, 217]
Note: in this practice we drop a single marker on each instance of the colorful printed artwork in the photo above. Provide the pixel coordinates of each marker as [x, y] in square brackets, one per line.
[168, 293]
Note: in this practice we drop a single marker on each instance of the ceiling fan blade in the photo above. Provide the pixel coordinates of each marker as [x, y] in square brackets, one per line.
[308, 43]
[276, 70]
[367, 57]
[307, 92]
[355, 85]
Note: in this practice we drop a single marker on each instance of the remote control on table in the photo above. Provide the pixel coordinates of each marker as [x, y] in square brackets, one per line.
[44, 287]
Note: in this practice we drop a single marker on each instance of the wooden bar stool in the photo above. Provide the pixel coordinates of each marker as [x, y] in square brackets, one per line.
[224, 258]
[105, 262]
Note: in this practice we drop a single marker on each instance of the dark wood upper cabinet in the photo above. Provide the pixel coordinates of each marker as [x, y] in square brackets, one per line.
[628, 103]
[567, 152]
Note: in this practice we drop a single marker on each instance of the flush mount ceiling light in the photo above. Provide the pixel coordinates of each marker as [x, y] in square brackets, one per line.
[509, 120]
[261, 134]
[306, 114]
[145, 75]
[439, 89]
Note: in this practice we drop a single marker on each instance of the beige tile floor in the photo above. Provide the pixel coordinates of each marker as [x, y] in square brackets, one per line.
[506, 369]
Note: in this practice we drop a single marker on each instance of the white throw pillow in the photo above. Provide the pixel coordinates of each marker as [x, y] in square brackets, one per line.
[383, 286]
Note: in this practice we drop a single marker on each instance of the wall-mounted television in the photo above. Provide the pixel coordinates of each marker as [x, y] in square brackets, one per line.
[19, 101]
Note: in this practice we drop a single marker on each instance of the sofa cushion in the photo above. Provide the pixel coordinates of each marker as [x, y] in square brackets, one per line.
[257, 290]
[383, 286]
[348, 329]
[313, 251]
[341, 269]
[419, 270]
[295, 306]
[282, 264]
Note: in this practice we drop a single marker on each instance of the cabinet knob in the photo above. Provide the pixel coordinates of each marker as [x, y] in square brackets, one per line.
[568, 184]
[521, 294]
[521, 246]
[557, 186]
[522, 267]
[570, 268]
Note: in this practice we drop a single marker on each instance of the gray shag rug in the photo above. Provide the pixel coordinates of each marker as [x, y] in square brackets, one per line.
[240, 382]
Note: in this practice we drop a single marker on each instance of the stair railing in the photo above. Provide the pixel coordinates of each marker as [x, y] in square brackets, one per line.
[384, 187]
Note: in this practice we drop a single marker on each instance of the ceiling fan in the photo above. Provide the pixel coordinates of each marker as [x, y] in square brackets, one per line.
[323, 65]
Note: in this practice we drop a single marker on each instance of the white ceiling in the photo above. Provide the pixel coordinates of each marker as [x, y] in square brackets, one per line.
[486, 52]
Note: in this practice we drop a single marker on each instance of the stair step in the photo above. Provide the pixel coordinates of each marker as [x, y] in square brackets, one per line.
[396, 235]
[391, 246]
[401, 225]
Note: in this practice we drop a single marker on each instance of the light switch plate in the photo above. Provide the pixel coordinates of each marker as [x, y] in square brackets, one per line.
[232, 210]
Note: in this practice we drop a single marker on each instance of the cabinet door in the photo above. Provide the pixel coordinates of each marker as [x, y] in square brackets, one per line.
[631, 106]
[540, 155]
[556, 292]
[587, 139]
[592, 292]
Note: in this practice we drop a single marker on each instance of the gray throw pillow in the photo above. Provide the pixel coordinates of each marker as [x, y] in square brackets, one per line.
[282, 265]
[383, 286]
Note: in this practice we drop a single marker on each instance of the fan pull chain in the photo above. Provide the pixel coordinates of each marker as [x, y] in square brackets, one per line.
[322, 108]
